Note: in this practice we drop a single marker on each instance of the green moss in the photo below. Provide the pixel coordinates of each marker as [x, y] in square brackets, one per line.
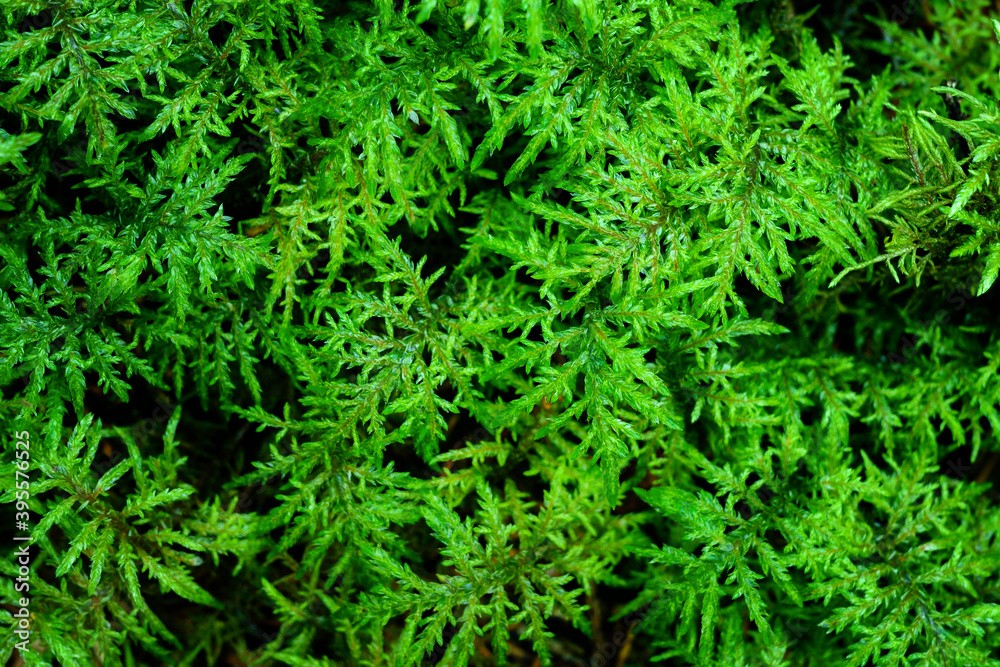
[491, 332]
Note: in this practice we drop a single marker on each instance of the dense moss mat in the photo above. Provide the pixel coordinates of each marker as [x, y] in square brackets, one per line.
[475, 332]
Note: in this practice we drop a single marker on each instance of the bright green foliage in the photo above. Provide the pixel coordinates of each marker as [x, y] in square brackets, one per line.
[473, 332]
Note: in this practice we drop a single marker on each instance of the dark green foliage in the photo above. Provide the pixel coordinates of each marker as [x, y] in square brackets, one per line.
[492, 332]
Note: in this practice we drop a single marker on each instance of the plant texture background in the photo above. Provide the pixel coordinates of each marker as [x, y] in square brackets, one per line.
[485, 332]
